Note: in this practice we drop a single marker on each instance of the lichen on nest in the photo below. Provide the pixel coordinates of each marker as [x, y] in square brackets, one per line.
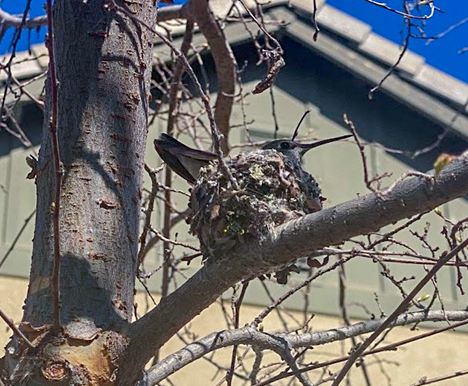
[271, 192]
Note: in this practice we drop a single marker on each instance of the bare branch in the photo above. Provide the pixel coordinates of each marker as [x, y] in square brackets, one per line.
[448, 30]
[15, 329]
[171, 121]
[18, 133]
[172, 12]
[405, 14]
[292, 291]
[402, 306]
[236, 310]
[206, 101]
[397, 62]
[226, 66]
[273, 55]
[7, 20]
[173, 242]
[388, 347]
[53, 127]
[276, 342]
[148, 212]
[367, 180]
[430, 381]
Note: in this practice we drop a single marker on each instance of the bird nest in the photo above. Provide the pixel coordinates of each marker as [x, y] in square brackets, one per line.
[271, 192]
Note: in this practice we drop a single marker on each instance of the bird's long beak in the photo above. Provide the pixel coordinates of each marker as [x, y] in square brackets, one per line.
[305, 147]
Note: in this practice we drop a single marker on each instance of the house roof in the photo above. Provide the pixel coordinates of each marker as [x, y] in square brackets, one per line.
[345, 41]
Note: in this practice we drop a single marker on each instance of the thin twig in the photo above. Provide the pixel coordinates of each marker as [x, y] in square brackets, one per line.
[388, 347]
[440, 378]
[388, 235]
[416, 153]
[21, 134]
[154, 240]
[171, 121]
[405, 14]
[15, 329]
[273, 113]
[173, 242]
[345, 317]
[262, 28]
[428, 177]
[53, 128]
[296, 131]
[367, 181]
[273, 56]
[403, 305]
[288, 294]
[395, 65]
[23, 89]
[237, 306]
[206, 101]
[17, 237]
[148, 212]
[14, 44]
[448, 30]
[225, 65]
[314, 20]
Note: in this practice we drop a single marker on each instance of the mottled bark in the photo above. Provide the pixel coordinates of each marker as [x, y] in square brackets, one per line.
[103, 62]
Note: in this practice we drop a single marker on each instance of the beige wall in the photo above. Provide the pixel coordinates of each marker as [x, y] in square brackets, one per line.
[437, 355]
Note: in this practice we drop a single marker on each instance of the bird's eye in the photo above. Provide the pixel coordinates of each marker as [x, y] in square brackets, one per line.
[284, 145]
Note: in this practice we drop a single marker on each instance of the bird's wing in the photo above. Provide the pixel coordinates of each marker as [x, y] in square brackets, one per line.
[183, 160]
[178, 148]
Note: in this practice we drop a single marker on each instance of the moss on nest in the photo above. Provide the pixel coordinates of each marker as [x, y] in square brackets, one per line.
[271, 193]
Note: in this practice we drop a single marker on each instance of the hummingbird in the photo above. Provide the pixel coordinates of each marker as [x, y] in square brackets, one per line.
[188, 162]
[220, 226]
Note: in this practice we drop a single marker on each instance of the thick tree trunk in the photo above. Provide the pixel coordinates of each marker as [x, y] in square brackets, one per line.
[103, 61]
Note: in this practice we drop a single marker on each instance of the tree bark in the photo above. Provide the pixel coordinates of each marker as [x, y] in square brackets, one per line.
[103, 60]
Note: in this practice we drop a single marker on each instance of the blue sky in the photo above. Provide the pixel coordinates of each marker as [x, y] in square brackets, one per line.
[442, 53]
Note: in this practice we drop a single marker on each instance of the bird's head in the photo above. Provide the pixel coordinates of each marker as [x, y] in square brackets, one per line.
[295, 150]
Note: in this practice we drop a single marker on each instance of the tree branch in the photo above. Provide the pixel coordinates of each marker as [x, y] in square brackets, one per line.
[388, 347]
[172, 12]
[53, 85]
[429, 381]
[401, 307]
[7, 20]
[287, 243]
[15, 329]
[226, 67]
[276, 342]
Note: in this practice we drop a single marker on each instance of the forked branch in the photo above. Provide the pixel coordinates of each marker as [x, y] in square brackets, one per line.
[276, 342]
